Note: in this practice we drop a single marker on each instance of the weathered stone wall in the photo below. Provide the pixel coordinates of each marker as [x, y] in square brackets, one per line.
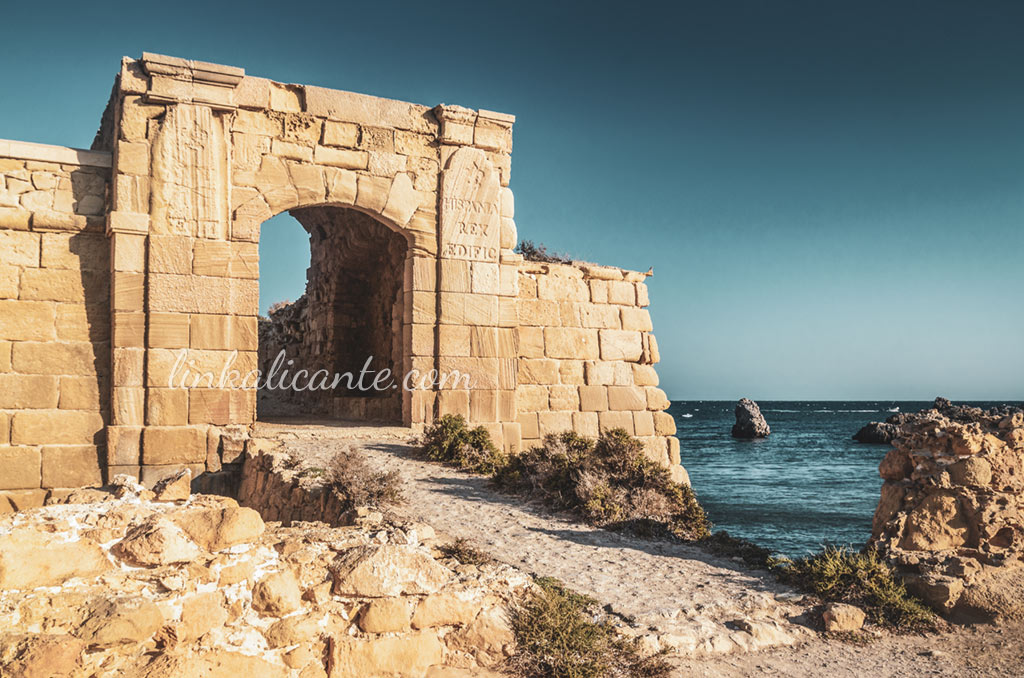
[587, 356]
[54, 320]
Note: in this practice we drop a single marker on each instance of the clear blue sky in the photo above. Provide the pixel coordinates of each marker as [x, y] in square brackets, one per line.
[831, 193]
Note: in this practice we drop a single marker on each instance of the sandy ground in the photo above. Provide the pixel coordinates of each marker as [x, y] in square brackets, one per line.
[686, 598]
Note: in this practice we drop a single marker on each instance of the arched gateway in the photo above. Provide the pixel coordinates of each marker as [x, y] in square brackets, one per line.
[155, 232]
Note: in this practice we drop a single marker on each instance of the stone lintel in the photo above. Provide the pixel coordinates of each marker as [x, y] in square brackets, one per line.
[26, 150]
[175, 80]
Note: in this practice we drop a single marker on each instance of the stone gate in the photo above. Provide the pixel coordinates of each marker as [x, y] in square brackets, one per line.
[122, 263]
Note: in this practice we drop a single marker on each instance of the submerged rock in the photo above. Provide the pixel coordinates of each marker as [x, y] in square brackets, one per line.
[750, 422]
[882, 433]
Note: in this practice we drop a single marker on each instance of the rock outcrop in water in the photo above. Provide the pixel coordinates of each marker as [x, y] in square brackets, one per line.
[750, 422]
[951, 514]
[882, 433]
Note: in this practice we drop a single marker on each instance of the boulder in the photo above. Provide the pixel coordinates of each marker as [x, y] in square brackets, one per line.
[444, 609]
[386, 615]
[750, 422]
[292, 631]
[385, 571]
[839, 617]
[120, 621]
[400, 656]
[174, 488]
[29, 559]
[157, 541]
[277, 594]
[40, 656]
[200, 614]
[216, 529]
[876, 433]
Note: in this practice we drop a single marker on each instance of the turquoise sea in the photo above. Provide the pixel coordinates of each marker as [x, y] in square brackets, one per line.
[807, 484]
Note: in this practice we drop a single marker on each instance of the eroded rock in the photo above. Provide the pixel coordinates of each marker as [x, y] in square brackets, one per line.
[750, 423]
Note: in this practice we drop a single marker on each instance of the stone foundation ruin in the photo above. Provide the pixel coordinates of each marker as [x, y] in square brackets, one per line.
[116, 260]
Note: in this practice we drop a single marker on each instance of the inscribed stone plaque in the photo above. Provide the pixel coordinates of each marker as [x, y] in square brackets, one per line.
[470, 208]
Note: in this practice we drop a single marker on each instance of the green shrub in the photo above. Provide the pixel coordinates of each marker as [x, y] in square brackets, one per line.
[538, 252]
[449, 440]
[863, 579]
[609, 482]
[562, 634]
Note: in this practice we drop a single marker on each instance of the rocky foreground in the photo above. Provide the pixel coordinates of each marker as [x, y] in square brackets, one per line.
[127, 585]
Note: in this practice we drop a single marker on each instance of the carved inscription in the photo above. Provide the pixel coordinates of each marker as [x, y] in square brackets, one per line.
[470, 211]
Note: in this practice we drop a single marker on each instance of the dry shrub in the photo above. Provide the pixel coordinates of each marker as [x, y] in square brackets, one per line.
[610, 482]
[356, 484]
[562, 634]
[540, 253]
[463, 551]
[451, 441]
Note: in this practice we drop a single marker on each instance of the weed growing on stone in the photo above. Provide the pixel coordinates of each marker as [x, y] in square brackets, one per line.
[562, 634]
[609, 482]
[451, 441]
[356, 484]
[540, 253]
[463, 551]
[863, 579]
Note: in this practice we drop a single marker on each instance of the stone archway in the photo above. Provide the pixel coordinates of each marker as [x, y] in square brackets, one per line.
[346, 328]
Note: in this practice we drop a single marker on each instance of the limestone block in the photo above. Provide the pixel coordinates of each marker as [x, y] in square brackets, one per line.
[19, 248]
[123, 445]
[37, 201]
[456, 276]
[422, 339]
[257, 122]
[636, 319]
[167, 407]
[74, 358]
[554, 422]
[129, 252]
[128, 404]
[483, 406]
[401, 655]
[5, 428]
[173, 445]
[643, 423]
[5, 356]
[10, 277]
[244, 333]
[508, 282]
[12, 501]
[341, 185]
[421, 274]
[70, 466]
[626, 398]
[78, 252]
[599, 316]
[656, 449]
[664, 424]
[531, 342]
[527, 286]
[538, 371]
[190, 294]
[132, 157]
[484, 277]
[529, 426]
[244, 261]
[563, 397]
[385, 164]
[373, 193]
[128, 291]
[538, 312]
[532, 398]
[253, 92]
[580, 344]
[128, 366]
[21, 467]
[308, 181]
[559, 288]
[650, 350]
[621, 293]
[656, 399]
[387, 615]
[623, 374]
[210, 331]
[403, 200]
[168, 330]
[453, 402]
[82, 393]
[615, 419]
[135, 117]
[286, 98]
[493, 342]
[211, 257]
[289, 150]
[302, 128]
[644, 375]
[417, 145]
[593, 398]
[27, 320]
[454, 340]
[673, 454]
[245, 297]
[26, 391]
[14, 217]
[56, 427]
[129, 329]
[620, 345]
[642, 298]
[170, 254]
[342, 158]
[344, 134]
[46, 284]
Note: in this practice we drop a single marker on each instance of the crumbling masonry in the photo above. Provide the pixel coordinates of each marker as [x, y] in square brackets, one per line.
[115, 259]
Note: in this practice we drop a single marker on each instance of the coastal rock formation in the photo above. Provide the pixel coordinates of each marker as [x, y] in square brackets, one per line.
[137, 587]
[750, 422]
[882, 433]
[951, 514]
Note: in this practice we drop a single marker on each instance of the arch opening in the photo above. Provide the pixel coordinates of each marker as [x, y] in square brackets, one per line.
[337, 351]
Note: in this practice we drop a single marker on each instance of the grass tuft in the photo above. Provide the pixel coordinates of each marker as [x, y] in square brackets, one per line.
[562, 634]
[863, 579]
[609, 482]
[463, 551]
[451, 441]
[358, 485]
